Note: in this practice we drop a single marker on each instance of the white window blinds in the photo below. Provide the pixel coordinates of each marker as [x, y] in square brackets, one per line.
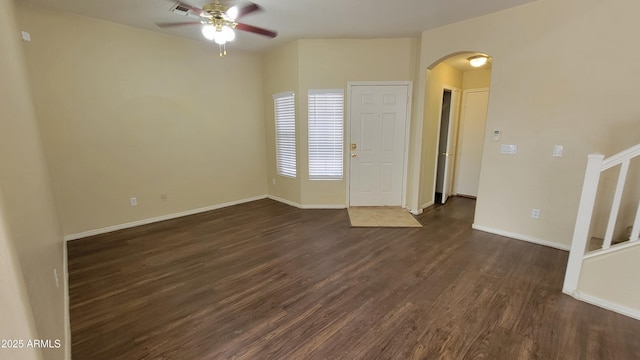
[326, 134]
[285, 109]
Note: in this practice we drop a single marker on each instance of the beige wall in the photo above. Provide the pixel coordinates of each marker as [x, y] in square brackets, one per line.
[325, 64]
[613, 277]
[280, 74]
[547, 88]
[17, 319]
[441, 75]
[128, 112]
[331, 64]
[28, 222]
[476, 79]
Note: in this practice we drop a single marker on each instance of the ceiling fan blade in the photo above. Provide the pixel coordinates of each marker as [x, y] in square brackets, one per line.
[173, 24]
[190, 7]
[248, 10]
[256, 30]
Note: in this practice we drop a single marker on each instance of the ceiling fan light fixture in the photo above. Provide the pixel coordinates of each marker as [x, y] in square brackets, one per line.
[224, 35]
[219, 38]
[228, 33]
[478, 60]
[232, 13]
[219, 21]
[209, 32]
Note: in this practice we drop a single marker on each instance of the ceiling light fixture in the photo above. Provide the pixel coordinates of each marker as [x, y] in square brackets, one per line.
[219, 21]
[228, 33]
[219, 34]
[478, 60]
[232, 13]
[219, 24]
[209, 32]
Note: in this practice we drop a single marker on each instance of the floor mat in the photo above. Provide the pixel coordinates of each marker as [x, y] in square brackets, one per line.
[381, 216]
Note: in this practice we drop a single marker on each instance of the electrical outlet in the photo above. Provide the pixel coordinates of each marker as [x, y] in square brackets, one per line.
[273, 180]
[163, 197]
[535, 213]
[558, 150]
[133, 201]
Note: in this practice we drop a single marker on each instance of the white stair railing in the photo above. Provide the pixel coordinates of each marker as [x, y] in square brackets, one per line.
[635, 231]
[596, 164]
[615, 206]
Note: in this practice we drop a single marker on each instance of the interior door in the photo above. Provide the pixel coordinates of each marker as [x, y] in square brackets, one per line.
[377, 145]
[472, 128]
[449, 152]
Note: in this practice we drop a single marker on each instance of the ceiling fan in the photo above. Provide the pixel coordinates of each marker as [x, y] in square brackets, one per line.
[219, 20]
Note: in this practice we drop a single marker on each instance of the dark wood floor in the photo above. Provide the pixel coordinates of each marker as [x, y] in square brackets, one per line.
[264, 280]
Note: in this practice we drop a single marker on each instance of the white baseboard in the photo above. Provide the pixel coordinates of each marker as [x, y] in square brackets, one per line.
[192, 212]
[300, 206]
[284, 201]
[608, 305]
[159, 218]
[421, 209]
[426, 205]
[328, 206]
[522, 237]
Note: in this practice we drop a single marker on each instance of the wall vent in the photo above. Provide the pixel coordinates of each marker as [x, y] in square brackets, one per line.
[184, 11]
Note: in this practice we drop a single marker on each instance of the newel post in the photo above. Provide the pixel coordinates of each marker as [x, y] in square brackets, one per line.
[583, 223]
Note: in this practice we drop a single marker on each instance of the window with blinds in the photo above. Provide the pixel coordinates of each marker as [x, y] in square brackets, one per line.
[285, 109]
[326, 134]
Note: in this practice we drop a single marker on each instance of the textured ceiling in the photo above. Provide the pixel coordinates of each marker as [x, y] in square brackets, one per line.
[296, 19]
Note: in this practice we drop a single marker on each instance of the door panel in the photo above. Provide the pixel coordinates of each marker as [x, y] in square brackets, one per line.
[443, 145]
[378, 120]
[450, 154]
[472, 129]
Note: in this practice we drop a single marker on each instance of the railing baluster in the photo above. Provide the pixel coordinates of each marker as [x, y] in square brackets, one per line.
[615, 206]
[597, 164]
[635, 232]
[583, 222]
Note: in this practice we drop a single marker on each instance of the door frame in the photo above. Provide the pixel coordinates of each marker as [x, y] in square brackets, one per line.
[454, 124]
[407, 125]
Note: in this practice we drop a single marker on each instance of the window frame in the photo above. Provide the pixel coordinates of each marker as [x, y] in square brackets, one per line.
[285, 134]
[334, 129]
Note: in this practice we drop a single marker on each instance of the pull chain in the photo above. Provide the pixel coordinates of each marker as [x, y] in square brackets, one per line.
[223, 50]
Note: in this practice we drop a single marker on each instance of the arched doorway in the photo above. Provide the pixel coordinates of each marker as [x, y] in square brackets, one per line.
[456, 99]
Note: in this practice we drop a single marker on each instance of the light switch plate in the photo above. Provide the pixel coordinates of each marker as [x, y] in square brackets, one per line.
[26, 36]
[508, 149]
[496, 134]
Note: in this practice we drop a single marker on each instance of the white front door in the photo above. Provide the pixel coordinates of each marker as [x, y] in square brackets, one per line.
[377, 145]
